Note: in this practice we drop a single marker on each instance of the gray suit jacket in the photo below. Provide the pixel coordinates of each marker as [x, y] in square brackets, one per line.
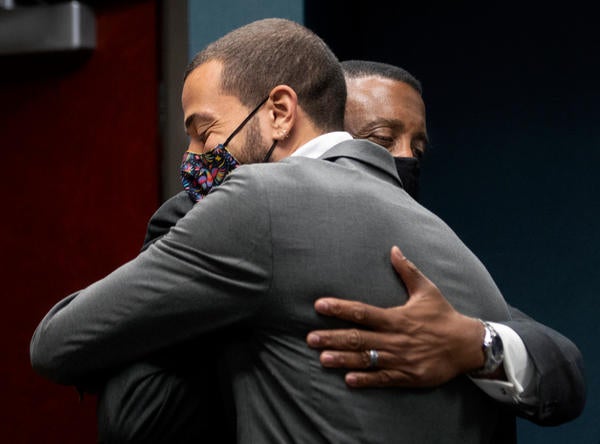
[255, 255]
[177, 397]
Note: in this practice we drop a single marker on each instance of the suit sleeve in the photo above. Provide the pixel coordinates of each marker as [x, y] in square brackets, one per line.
[210, 271]
[171, 397]
[559, 373]
[166, 217]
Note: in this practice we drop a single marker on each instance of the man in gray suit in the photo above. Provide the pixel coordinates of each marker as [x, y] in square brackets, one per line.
[269, 241]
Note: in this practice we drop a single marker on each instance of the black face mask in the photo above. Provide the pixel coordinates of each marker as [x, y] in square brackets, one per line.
[408, 169]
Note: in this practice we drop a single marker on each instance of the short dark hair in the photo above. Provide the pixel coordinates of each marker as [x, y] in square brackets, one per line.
[273, 51]
[361, 68]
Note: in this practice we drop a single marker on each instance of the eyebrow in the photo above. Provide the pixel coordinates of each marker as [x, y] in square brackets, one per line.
[384, 121]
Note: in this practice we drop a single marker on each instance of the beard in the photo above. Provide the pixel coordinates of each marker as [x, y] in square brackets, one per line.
[255, 147]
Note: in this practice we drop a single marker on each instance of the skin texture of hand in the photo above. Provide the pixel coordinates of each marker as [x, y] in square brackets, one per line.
[423, 343]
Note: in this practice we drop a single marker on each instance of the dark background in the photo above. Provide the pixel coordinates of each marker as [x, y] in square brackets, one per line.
[513, 100]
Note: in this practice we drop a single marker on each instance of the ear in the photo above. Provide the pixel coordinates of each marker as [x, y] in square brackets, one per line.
[283, 111]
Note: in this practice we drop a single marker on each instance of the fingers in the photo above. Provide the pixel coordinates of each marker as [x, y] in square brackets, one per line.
[352, 311]
[379, 378]
[352, 360]
[349, 340]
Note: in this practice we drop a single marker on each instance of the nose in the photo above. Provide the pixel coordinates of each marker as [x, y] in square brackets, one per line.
[195, 146]
[401, 147]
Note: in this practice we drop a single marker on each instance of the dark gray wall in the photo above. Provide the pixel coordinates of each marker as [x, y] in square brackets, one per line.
[513, 112]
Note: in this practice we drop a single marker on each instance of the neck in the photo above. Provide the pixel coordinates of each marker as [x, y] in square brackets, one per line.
[295, 138]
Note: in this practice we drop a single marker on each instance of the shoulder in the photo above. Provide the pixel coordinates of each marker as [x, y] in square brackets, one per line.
[167, 216]
[287, 170]
[179, 204]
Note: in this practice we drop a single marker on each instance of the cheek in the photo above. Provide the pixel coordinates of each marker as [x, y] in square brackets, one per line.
[195, 147]
[212, 141]
[262, 129]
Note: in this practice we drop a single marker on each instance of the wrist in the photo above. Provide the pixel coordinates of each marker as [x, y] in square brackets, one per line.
[464, 336]
[492, 351]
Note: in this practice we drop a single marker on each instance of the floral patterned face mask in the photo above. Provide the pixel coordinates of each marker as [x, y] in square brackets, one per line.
[201, 172]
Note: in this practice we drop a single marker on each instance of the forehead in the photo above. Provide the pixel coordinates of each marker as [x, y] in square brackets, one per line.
[202, 94]
[373, 96]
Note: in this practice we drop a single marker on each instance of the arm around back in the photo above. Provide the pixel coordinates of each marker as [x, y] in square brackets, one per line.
[172, 292]
[426, 342]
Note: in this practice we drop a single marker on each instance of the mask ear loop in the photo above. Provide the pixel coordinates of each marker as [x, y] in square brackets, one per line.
[241, 125]
[266, 159]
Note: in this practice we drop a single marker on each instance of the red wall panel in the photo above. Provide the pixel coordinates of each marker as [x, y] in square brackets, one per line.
[79, 175]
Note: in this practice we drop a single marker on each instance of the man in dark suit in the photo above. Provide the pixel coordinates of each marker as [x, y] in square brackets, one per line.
[541, 378]
[260, 248]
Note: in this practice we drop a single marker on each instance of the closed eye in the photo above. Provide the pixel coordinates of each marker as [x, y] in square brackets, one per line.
[384, 141]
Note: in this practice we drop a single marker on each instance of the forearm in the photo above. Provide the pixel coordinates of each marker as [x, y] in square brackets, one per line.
[102, 328]
[134, 312]
[544, 373]
[559, 383]
[188, 283]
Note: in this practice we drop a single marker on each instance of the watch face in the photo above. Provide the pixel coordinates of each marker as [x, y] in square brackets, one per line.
[497, 348]
[494, 352]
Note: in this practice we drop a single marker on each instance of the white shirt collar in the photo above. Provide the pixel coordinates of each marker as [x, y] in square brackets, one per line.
[319, 145]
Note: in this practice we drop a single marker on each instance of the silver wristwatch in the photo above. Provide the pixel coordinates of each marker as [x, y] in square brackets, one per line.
[493, 351]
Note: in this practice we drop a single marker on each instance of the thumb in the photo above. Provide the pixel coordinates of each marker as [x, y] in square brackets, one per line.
[411, 276]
